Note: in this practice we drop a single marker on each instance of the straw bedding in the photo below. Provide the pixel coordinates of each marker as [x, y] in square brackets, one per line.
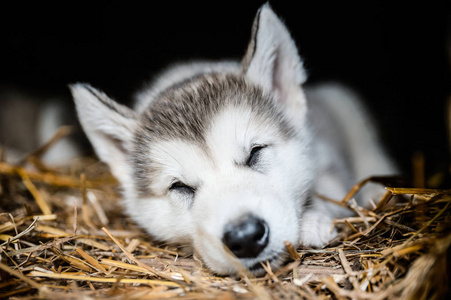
[63, 234]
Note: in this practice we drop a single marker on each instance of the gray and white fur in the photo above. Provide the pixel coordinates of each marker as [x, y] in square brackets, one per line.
[229, 157]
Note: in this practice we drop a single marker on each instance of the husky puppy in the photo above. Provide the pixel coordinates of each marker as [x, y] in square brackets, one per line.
[229, 157]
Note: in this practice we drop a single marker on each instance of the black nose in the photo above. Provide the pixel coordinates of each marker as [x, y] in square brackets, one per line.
[246, 237]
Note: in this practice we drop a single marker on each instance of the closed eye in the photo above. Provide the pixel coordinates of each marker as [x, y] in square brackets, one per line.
[254, 155]
[180, 187]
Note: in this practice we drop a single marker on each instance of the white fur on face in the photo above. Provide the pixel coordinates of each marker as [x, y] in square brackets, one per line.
[226, 188]
[165, 215]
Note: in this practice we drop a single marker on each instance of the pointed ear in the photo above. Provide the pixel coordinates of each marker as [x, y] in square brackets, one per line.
[272, 59]
[108, 125]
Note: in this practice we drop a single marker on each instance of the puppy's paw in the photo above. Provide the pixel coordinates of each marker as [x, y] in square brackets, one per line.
[316, 229]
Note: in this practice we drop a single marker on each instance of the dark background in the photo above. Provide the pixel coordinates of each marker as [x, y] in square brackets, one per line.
[394, 55]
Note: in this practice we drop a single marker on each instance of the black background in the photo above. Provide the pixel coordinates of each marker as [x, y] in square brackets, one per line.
[394, 55]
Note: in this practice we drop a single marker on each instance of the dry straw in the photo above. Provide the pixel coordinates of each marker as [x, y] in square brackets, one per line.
[63, 234]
